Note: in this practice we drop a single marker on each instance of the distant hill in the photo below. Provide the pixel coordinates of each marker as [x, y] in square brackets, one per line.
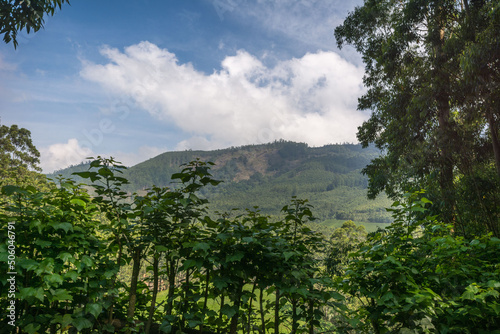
[269, 175]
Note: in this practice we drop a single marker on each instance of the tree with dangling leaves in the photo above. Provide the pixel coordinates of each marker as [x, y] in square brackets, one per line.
[16, 15]
[412, 51]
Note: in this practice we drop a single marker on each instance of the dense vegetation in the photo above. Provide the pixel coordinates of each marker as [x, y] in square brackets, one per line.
[83, 263]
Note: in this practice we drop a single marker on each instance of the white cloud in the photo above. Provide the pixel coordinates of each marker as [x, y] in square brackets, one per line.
[61, 155]
[310, 99]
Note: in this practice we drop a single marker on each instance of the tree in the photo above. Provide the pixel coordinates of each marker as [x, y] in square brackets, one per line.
[16, 15]
[412, 53]
[344, 240]
[17, 149]
[19, 158]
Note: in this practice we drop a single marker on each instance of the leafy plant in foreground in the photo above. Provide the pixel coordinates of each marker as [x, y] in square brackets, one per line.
[417, 276]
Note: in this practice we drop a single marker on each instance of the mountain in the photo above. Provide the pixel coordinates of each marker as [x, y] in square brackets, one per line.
[268, 176]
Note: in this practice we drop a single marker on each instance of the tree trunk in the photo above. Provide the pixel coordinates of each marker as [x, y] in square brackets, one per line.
[250, 308]
[220, 312]
[295, 324]
[171, 286]
[155, 293]
[204, 310]
[277, 312]
[445, 137]
[311, 316]
[233, 328]
[262, 315]
[136, 258]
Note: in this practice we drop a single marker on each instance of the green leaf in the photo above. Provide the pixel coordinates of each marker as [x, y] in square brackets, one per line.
[189, 263]
[63, 226]
[72, 274]
[193, 323]
[8, 190]
[27, 264]
[81, 323]
[474, 242]
[220, 283]
[26, 293]
[229, 311]
[201, 246]
[43, 243]
[87, 260]
[39, 294]
[63, 320]
[84, 175]
[61, 294]
[32, 328]
[53, 279]
[493, 284]
[161, 248]
[288, 255]
[425, 200]
[234, 257]
[94, 309]
[65, 256]
[78, 202]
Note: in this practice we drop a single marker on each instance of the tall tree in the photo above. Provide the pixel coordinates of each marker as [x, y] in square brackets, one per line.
[412, 54]
[19, 158]
[17, 149]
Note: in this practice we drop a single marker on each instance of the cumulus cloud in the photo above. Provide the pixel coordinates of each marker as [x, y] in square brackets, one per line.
[309, 99]
[62, 155]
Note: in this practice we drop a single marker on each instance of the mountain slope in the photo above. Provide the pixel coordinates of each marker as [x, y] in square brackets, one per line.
[268, 176]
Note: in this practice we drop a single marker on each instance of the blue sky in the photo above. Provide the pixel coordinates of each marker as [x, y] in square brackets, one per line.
[135, 78]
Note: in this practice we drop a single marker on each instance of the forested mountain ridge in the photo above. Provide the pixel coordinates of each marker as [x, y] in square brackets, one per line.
[268, 175]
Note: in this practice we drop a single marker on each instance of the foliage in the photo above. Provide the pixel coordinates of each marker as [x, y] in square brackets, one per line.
[418, 277]
[431, 74]
[17, 15]
[71, 247]
[344, 240]
[60, 263]
[18, 156]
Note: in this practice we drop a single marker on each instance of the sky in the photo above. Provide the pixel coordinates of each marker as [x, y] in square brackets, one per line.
[132, 79]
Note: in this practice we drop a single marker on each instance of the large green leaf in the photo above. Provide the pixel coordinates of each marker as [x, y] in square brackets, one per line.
[81, 323]
[235, 257]
[62, 294]
[32, 328]
[63, 226]
[94, 309]
[229, 311]
[54, 279]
